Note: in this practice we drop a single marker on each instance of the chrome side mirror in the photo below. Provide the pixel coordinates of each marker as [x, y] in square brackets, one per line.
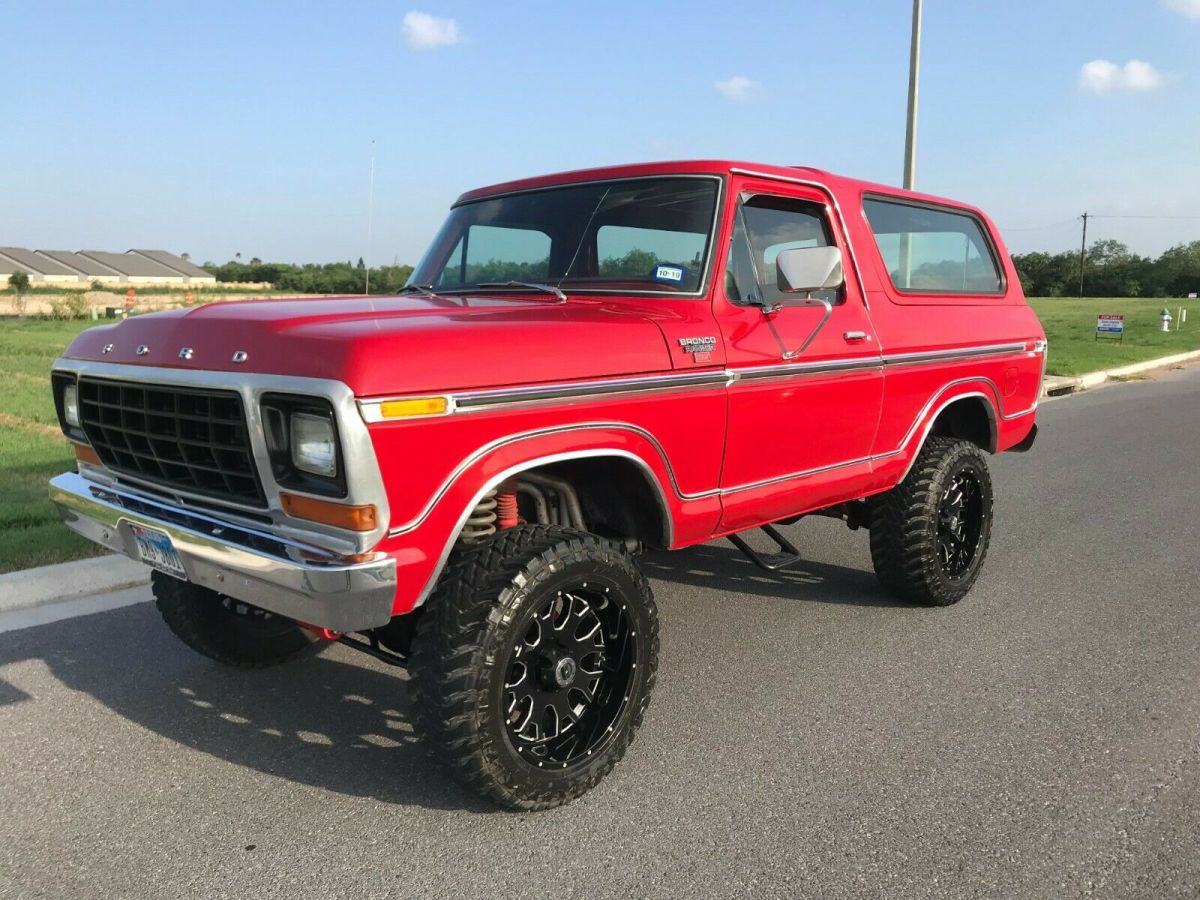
[806, 269]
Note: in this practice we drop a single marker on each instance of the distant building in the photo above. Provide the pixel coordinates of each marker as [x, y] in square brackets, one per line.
[193, 274]
[87, 269]
[133, 267]
[47, 271]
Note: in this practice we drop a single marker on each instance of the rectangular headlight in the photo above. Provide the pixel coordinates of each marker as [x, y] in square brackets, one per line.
[70, 400]
[314, 446]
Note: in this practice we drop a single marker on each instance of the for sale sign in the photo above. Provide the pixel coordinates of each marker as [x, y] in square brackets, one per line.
[1110, 326]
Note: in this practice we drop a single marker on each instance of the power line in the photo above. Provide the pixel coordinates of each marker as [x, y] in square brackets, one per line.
[1070, 221]
[1074, 219]
[1101, 216]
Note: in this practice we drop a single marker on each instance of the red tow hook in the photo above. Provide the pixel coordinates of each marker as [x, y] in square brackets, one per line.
[327, 634]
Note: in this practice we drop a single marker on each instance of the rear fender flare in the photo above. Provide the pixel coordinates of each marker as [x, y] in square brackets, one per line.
[978, 386]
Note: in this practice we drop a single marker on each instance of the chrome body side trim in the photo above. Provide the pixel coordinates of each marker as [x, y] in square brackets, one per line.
[955, 353]
[476, 400]
[260, 568]
[776, 371]
[498, 398]
[364, 480]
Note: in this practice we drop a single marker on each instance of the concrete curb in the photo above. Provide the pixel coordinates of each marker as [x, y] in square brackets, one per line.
[1058, 385]
[69, 581]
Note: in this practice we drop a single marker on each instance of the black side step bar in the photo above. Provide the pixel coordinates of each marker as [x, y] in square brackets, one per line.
[787, 556]
[371, 647]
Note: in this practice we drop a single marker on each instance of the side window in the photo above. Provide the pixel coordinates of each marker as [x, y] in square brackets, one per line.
[931, 250]
[766, 225]
[497, 253]
[672, 258]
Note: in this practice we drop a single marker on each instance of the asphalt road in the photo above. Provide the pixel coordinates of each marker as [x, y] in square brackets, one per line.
[808, 736]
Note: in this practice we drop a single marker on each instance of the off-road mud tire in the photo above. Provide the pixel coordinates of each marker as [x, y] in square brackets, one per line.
[904, 525]
[483, 602]
[227, 630]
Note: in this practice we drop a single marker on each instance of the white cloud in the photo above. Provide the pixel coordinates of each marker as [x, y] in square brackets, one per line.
[1189, 8]
[424, 32]
[1103, 77]
[739, 87]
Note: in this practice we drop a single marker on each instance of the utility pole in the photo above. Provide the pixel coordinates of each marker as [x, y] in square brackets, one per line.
[370, 217]
[914, 77]
[1082, 253]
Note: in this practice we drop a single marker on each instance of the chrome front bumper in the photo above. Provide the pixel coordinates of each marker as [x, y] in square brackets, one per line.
[276, 574]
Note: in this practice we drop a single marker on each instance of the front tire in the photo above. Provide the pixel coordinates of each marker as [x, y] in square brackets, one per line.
[228, 630]
[930, 533]
[534, 663]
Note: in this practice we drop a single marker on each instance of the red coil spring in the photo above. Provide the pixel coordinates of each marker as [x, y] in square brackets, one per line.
[506, 506]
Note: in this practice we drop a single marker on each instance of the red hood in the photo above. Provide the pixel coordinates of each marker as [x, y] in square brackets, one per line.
[384, 345]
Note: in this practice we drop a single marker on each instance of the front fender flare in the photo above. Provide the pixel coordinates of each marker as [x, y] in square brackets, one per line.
[429, 537]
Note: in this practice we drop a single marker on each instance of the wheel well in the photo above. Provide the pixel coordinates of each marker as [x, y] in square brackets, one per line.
[618, 498]
[971, 419]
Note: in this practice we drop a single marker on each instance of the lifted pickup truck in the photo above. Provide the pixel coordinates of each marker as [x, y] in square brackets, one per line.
[459, 479]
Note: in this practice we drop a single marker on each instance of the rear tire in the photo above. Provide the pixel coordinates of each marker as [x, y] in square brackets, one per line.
[228, 630]
[534, 662]
[930, 533]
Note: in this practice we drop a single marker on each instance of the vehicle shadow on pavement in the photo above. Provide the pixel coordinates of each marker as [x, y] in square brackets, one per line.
[722, 567]
[338, 721]
[335, 721]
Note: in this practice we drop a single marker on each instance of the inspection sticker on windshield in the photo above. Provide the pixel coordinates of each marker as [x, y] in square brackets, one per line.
[157, 550]
[670, 274]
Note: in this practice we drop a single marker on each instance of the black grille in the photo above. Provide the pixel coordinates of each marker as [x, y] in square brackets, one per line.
[184, 438]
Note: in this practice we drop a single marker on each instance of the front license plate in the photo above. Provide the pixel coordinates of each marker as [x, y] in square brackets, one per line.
[155, 549]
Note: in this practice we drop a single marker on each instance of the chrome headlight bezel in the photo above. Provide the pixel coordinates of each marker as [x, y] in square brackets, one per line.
[322, 473]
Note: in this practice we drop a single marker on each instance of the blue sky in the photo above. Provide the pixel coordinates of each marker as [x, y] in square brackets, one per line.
[214, 128]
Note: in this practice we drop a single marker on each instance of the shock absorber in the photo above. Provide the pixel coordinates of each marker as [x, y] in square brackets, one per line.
[482, 521]
[506, 506]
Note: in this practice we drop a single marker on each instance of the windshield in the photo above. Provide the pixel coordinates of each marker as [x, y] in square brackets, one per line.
[646, 234]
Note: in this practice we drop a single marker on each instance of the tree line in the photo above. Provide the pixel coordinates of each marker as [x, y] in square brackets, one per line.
[1110, 269]
[314, 278]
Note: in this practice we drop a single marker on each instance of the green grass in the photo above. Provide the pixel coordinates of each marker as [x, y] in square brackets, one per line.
[1071, 330]
[30, 531]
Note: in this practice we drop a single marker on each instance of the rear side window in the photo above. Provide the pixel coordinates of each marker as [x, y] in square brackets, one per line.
[932, 250]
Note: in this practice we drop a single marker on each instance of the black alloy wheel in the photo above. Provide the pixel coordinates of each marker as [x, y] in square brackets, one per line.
[960, 522]
[568, 674]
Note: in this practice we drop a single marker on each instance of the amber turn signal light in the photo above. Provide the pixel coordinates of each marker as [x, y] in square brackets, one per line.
[416, 406]
[86, 454]
[339, 515]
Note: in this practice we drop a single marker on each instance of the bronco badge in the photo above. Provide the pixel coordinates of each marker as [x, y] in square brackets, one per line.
[699, 347]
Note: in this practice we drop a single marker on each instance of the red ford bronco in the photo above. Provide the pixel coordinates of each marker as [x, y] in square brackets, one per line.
[459, 479]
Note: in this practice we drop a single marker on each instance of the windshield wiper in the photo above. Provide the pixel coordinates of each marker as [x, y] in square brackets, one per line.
[419, 289]
[531, 285]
